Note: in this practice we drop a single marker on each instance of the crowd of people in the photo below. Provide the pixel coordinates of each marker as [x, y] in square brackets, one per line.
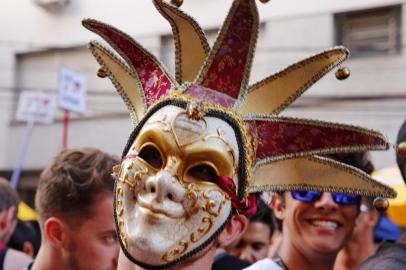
[75, 227]
[211, 176]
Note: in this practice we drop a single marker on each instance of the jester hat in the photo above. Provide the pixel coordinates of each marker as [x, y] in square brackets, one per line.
[275, 153]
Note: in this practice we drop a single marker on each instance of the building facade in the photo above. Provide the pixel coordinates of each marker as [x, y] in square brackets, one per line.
[40, 36]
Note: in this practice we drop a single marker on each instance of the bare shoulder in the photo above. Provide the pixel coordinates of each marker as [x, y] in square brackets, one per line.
[16, 260]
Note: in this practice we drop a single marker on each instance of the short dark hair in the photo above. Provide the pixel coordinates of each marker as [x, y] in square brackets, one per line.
[26, 231]
[264, 215]
[358, 160]
[400, 159]
[70, 185]
[8, 195]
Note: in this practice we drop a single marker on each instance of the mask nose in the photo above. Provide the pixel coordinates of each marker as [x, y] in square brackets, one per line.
[164, 185]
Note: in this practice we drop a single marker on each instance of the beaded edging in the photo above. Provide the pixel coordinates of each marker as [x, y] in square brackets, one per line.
[320, 123]
[116, 83]
[299, 65]
[175, 30]
[86, 23]
[388, 191]
[250, 57]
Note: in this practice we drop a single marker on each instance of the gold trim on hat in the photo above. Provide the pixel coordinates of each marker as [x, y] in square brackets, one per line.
[124, 80]
[310, 122]
[191, 46]
[219, 39]
[274, 93]
[317, 173]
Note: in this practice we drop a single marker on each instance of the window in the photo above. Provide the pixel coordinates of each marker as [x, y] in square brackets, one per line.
[370, 32]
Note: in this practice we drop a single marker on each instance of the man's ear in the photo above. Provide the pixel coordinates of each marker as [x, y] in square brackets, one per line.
[373, 218]
[278, 206]
[3, 219]
[234, 230]
[7, 216]
[8, 222]
[28, 249]
[55, 231]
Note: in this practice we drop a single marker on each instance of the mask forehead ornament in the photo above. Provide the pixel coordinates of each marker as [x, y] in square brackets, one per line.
[205, 141]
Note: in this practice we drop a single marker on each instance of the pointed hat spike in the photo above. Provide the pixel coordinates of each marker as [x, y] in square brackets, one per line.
[154, 79]
[228, 65]
[283, 137]
[276, 92]
[191, 46]
[316, 173]
[124, 80]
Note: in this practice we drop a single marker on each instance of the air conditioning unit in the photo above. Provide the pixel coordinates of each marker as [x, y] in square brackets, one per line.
[52, 5]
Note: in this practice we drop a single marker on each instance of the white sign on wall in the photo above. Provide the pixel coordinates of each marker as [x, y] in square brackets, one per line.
[72, 90]
[35, 106]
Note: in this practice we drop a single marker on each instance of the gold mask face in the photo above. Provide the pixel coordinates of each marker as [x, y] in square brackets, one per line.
[168, 205]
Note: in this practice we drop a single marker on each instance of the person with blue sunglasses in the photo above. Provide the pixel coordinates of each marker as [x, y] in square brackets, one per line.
[315, 226]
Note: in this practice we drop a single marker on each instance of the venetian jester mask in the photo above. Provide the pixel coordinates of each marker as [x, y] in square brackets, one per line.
[204, 142]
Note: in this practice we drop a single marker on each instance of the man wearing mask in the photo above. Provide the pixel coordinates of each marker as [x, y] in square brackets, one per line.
[204, 141]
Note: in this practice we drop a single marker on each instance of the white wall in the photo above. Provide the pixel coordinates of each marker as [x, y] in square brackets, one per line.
[25, 22]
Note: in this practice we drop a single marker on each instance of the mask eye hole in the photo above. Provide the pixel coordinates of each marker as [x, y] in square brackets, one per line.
[152, 156]
[202, 172]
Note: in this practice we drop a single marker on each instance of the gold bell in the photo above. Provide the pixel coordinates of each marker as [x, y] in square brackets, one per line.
[177, 3]
[381, 204]
[102, 73]
[264, 1]
[401, 149]
[343, 73]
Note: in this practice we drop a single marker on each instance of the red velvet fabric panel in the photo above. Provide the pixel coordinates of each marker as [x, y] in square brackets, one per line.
[282, 138]
[153, 79]
[226, 72]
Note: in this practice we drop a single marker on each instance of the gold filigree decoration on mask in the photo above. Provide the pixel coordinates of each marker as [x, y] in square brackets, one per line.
[220, 136]
[211, 204]
[119, 202]
[120, 212]
[116, 171]
[132, 175]
[163, 122]
[208, 220]
[192, 195]
[212, 214]
[128, 173]
[202, 231]
[173, 254]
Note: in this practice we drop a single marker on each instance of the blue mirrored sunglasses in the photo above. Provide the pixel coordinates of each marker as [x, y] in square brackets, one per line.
[339, 198]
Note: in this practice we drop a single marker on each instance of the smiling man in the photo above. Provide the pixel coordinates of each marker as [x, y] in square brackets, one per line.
[316, 226]
[205, 141]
